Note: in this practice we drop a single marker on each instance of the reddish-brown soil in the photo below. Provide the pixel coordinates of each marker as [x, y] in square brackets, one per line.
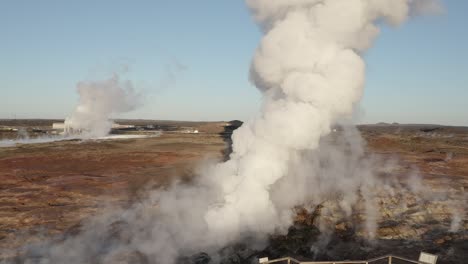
[52, 187]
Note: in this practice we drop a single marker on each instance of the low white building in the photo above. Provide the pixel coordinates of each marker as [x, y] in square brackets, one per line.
[58, 126]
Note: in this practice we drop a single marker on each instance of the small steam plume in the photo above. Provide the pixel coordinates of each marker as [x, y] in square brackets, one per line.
[99, 101]
[311, 73]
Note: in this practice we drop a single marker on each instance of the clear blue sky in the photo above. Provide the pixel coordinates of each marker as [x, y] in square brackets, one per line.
[417, 73]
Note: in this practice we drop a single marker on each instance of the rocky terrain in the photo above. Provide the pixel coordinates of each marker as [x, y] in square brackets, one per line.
[436, 221]
[50, 188]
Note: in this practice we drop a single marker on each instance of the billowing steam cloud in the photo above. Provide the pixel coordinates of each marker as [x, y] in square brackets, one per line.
[310, 70]
[309, 67]
[99, 100]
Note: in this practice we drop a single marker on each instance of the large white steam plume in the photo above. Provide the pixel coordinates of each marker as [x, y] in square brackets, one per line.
[99, 100]
[311, 73]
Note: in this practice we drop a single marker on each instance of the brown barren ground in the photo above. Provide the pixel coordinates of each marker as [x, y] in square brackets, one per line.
[52, 187]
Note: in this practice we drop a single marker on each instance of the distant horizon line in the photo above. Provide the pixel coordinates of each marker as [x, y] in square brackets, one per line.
[382, 123]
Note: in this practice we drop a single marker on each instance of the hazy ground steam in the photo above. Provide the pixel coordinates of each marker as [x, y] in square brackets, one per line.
[99, 101]
[309, 68]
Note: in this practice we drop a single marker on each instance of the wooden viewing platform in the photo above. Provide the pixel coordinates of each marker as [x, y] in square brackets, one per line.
[424, 258]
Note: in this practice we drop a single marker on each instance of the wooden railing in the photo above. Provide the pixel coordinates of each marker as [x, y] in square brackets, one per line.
[389, 259]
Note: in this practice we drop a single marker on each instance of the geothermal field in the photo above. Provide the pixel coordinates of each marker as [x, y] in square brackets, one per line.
[299, 181]
[86, 200]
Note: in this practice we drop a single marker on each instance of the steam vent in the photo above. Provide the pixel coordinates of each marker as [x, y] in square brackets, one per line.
[234, 132]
